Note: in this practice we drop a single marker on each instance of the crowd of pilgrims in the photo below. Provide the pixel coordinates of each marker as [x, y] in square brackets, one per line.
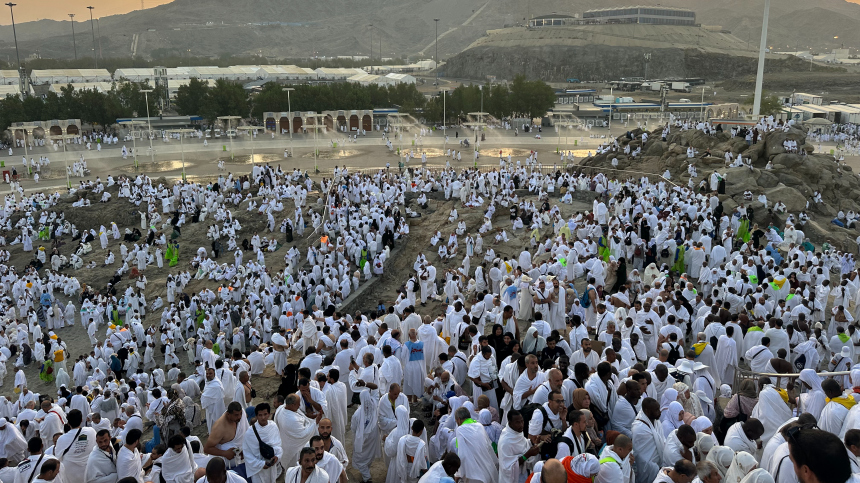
[609, 344]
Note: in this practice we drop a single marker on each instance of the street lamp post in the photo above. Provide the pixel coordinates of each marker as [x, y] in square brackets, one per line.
[229, 120]
[93, 27]
[131, 125]
[444, 119]
[63, 138]
[316, 118]
[148, 126]
[702, 115]
[290, 108]
[74, 43]
[371, 48]
[251, 131]
[14, 33]
[182, 132]
[437, 50]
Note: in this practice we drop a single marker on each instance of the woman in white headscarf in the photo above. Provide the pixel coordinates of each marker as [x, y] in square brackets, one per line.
[704, 425]
[813, 400]
[742, 464]
[669, 395]
[63, 378]
[401, 415]
[493, 429]
[721, 457]
[672, 418]
[759, 475]
[704, 443]
[533, 343]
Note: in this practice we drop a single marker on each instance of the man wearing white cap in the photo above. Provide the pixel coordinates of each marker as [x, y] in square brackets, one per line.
[12, 442]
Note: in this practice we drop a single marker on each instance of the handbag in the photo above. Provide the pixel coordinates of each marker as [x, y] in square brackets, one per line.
[266, 451]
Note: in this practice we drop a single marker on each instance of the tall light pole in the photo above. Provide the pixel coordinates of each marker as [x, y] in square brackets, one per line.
[131, 125]
[702, 115]
[229, 120]
[148, 124]
[371, 48]
[437, 50]
[74, 43]
[444, 119]
[647, 59]
[93, 27]
[182, 132]
[99, 28]
[63, 138]
[759, 78]
[252, 130]
[14, 33]
[21, 73]
[290, 108]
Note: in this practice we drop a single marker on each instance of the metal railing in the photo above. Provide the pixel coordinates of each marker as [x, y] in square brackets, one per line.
[777, 378]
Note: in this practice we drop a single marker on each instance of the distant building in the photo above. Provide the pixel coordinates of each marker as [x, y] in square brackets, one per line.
[554, 20]
[804, 98]
[642, 14]
[66, 76]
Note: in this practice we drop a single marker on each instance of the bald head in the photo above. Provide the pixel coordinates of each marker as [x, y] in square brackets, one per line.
[553, 472]
[622, 441]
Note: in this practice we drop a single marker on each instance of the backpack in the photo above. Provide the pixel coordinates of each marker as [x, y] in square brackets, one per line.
[584, 301]
[528, 412]
[628, 241]
[664, 253]
[674, 353]
[550, 449]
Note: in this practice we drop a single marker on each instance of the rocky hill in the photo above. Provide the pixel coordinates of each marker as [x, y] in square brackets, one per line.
[793, 180]
[293, 28]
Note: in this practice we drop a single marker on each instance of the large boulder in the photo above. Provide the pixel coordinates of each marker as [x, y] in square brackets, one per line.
[793, 199]
[655, 148]
[767, 180]
[786, 160]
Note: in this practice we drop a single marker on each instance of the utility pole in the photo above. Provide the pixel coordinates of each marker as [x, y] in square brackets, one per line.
[437, 50]
[74, 44]
[14, 33]
[93, 27]
[99, 27]
[23, 83]
[647, 59]
[759, 79]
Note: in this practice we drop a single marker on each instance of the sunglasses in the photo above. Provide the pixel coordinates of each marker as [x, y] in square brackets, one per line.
[794, 431]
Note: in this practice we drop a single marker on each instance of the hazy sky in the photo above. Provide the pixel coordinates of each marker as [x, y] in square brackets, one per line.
[28, 10]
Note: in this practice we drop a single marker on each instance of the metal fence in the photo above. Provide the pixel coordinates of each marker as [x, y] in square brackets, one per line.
[777, 379]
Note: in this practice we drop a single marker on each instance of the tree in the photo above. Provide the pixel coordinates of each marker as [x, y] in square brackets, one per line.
[531, 99]
[191, 97]
[770, 104]
[224, 99]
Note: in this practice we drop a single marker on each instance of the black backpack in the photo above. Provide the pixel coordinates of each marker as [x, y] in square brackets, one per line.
[528, 412]
[550, 449]
[674, 353]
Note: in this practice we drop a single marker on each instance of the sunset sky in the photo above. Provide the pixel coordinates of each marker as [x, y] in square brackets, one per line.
[28, 10]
